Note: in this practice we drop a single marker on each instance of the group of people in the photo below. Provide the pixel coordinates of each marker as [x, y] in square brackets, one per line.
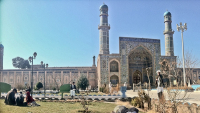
[19, 101]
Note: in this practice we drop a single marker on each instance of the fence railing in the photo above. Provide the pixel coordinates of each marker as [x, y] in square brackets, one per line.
[139, 86]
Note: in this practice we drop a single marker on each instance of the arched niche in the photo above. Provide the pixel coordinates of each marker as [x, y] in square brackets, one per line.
[114, 66]
[114, 79]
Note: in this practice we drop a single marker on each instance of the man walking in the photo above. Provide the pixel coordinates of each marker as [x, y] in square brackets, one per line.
[159, 84]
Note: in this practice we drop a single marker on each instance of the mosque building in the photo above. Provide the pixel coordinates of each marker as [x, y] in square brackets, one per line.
[129, 65]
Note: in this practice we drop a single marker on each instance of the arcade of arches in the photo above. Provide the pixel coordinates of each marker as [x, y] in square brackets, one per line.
[139, 60]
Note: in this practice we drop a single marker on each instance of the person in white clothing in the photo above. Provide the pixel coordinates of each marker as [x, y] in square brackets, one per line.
[125, 84]
[72, 91]
[110, 87]
[159, 84]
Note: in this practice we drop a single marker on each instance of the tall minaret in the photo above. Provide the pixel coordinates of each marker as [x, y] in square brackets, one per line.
[1, 56]
[169, 45]
[104, 28]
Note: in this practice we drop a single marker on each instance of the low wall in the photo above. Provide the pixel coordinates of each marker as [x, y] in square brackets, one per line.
[181, 108]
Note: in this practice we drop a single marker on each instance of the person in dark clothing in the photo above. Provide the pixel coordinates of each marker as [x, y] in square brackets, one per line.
[159, 84]
[10, 97]
[20, 100]
[72, 89]
[29, 89]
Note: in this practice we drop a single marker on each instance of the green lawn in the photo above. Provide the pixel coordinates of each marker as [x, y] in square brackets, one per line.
[57, 107]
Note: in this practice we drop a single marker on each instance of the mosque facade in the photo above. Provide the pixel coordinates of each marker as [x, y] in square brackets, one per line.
[137, 58]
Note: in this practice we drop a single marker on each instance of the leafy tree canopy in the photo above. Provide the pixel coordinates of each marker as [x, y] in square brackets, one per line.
[39, 85]
[83, 82]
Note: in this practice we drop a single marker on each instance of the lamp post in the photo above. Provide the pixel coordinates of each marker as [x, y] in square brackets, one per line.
[43, 65]
[31, 61]
[182, 28]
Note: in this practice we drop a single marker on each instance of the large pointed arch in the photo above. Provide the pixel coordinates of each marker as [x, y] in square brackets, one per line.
[139, 59]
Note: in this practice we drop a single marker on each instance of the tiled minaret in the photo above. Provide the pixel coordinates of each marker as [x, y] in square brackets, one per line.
[104, 28]
[1, 56]
[168, 32]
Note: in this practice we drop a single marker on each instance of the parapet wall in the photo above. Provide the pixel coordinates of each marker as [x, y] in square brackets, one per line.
[181, 108]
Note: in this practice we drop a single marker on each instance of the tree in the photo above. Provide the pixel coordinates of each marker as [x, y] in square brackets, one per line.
[169, 69]
[20, 87]
[83, 82]
[191, 61]
[176, 97]
[39, 85]
[148, 69]
[35, 88]
[57, 82]
[19, 62]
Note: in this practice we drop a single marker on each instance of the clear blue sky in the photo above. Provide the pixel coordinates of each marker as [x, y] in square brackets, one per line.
[65, 32]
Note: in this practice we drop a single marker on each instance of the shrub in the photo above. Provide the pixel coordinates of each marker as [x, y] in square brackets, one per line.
[39, 85]
[198, 89]
[135, 102]
[106, 90]
[35, 88]
[53, 88]
[180, 88]
[139, 101]
[100, 89]
[83, 82]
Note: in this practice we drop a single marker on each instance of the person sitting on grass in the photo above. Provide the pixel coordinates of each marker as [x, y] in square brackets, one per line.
[10, 97]
[30, 100]
[20, 100]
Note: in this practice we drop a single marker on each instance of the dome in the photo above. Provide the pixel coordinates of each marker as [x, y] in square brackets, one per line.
[1, 46]
[167, 13]
[103, 6]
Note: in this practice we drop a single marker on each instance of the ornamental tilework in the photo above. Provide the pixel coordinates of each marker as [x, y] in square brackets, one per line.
[169, 60]
[104, 59]
[83, 74]
[91, 75]
[34, 79]
[127, 45]
[66, 78]
[40, 77]
[26, 76]
[74, 76]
